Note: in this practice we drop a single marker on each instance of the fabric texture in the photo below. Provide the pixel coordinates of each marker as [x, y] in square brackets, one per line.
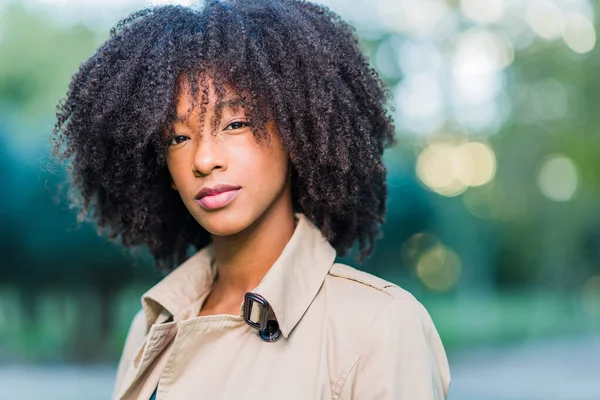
[346, 334]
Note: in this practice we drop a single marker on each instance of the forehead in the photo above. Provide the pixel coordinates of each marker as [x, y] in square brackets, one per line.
[191, 99]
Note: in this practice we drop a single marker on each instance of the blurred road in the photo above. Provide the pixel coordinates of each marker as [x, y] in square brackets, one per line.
[566, 369]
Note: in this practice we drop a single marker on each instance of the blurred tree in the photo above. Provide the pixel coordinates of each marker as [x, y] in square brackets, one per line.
[43, 249]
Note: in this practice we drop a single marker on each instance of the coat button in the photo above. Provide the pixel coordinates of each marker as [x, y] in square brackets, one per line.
[272, 333]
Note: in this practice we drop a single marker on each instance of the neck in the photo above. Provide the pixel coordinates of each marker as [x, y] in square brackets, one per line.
[243, 259]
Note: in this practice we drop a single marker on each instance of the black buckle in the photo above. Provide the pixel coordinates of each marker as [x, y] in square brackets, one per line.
[268, 329]
[250, 298]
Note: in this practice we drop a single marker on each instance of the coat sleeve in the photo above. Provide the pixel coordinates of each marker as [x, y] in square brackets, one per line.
[135, 337]
[402, 356]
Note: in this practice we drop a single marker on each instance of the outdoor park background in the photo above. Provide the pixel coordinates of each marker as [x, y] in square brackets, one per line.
[494, 208]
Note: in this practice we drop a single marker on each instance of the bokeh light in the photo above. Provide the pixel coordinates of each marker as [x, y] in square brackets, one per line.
[487, 11]
[419, 99]
[479, 51]
[418, 56]
[579, 33]
[416, 245]
[557, 177]
[545, 18]
[474, 89]
[439, 268]
[449, 169]
[420, 18]
[477, 78]
[474, 164]
[434, 169]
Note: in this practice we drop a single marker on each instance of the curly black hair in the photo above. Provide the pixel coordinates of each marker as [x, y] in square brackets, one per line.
[290, 61]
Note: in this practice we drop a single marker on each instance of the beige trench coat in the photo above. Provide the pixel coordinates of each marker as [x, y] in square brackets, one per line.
[346, 335]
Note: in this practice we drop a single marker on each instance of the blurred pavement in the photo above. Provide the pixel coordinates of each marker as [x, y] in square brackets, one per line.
[565, 369]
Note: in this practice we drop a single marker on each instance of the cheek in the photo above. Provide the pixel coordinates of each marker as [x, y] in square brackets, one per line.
[264, 173]
[171, 169]
[175, 170]
[276, 171]
[273, 164]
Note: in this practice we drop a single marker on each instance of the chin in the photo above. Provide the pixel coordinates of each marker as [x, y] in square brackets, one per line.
[224, 222]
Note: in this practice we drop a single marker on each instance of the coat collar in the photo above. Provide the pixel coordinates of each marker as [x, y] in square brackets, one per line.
[290, 285]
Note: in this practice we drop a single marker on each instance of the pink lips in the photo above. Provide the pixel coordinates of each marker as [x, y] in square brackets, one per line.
[217, 197]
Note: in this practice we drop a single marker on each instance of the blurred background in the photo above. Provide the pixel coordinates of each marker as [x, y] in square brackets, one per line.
[494, 218]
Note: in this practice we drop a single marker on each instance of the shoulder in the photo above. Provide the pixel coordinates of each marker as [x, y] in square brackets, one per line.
[389, 331]
[352, 283]
[358, 300]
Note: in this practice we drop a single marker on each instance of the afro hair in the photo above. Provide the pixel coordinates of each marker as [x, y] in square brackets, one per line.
[290, 61]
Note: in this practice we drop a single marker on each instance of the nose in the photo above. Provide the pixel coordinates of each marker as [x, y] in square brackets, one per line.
[208, 156]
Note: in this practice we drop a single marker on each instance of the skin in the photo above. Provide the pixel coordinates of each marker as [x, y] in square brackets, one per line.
[249, 233]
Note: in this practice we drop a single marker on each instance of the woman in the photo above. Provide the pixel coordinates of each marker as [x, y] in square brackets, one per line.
[251, 133]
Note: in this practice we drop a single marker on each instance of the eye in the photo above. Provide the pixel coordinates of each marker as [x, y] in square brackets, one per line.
[176, 139]
[236, 125]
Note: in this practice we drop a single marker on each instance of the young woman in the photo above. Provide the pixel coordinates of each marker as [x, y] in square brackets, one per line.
[250, 132]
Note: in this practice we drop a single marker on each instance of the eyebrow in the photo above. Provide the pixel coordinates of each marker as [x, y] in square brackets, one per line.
[226, 103]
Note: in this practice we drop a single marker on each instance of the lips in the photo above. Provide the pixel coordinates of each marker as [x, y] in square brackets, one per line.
[211, 198]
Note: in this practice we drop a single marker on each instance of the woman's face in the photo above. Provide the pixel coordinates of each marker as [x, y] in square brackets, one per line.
[226, 180]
